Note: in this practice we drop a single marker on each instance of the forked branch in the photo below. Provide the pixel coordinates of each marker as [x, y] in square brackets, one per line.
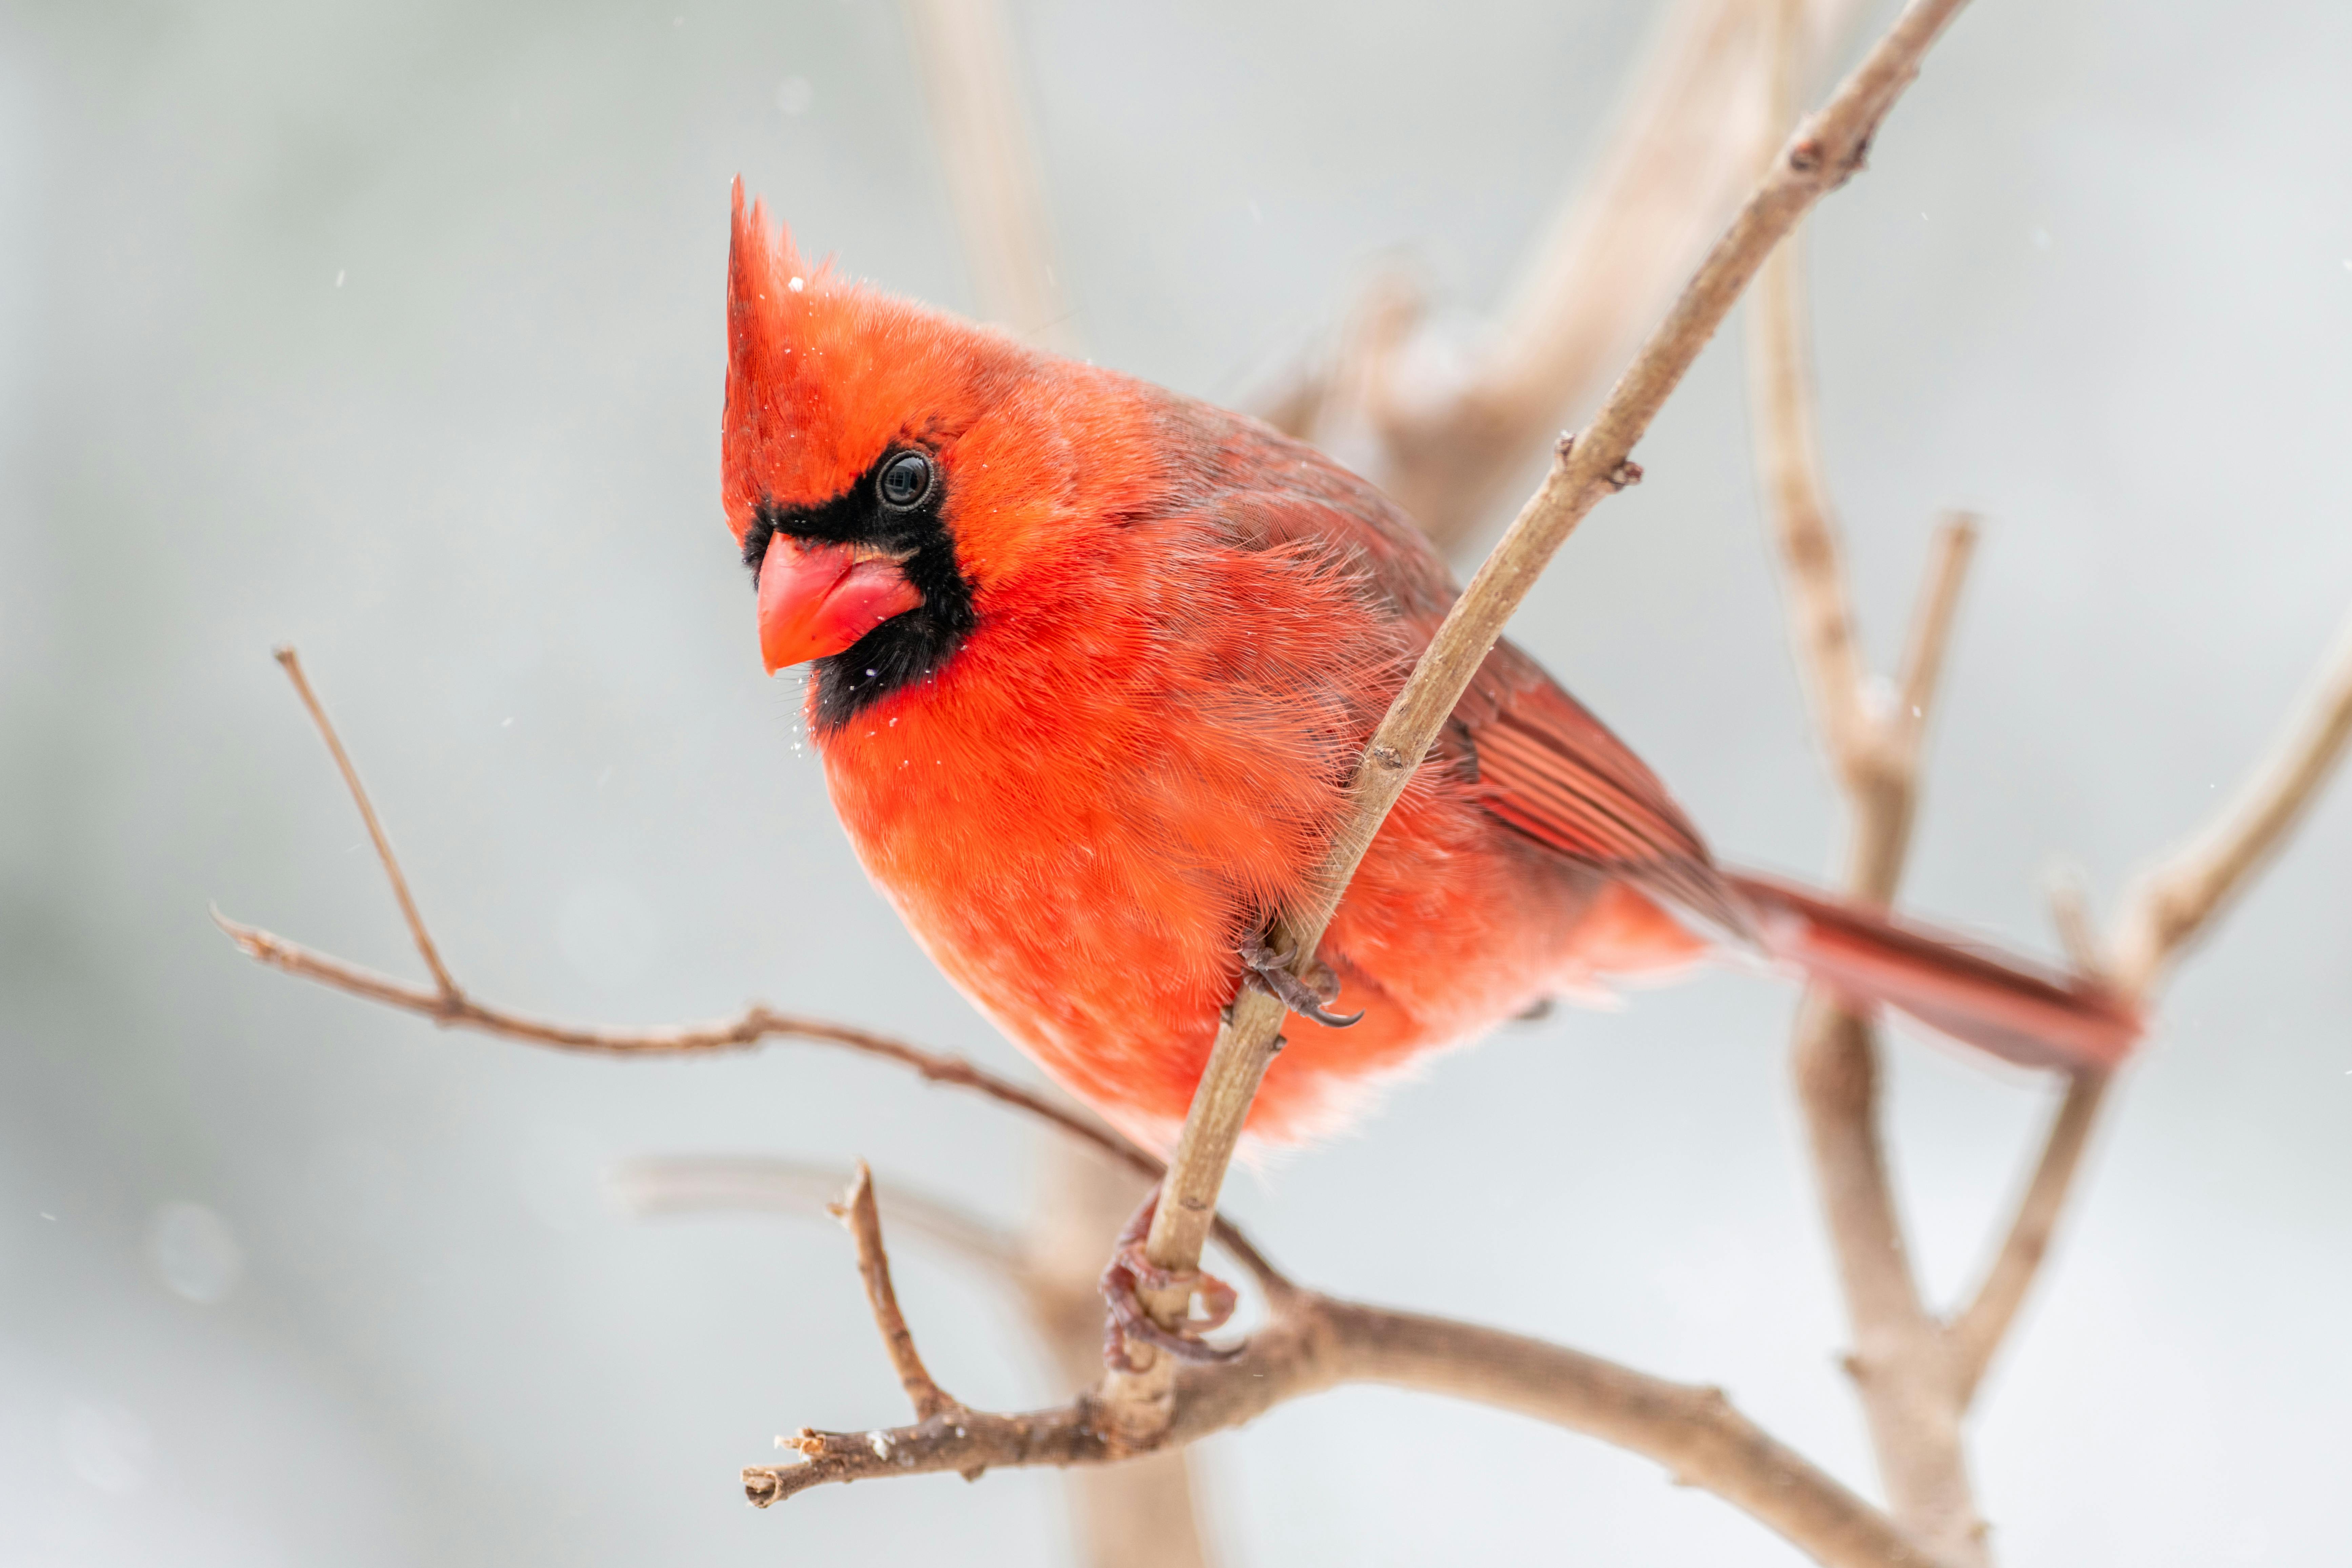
[1314, 1343]
[2165, 913]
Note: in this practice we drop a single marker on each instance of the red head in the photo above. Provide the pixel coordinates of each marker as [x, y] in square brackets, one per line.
[886, 466]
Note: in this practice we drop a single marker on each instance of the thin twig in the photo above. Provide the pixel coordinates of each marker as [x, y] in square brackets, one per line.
[1954, 545]
[865, 1222]
[1980, 1326]
[745, 1029]
[1883, 779]
[449, 1006]
[2173, 906]
[291, 662]
[1826, 151]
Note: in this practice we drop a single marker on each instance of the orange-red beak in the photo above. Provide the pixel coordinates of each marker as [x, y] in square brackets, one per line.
[818, 599]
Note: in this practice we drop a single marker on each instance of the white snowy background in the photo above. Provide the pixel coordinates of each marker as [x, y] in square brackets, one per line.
[396, 332]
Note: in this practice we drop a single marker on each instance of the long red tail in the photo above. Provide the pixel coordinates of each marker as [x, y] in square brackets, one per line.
[1987, 1000]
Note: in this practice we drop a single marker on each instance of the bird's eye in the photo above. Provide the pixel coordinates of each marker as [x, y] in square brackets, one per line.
[905, 480]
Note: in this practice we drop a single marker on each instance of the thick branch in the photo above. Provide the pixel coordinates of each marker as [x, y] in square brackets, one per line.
[1317, 1344]
[1826, 151]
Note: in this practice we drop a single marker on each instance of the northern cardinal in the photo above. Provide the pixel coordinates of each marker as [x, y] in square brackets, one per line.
[1092, 664]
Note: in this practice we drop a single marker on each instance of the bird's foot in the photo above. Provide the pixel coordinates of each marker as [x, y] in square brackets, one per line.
[1309, 996]
[1130, 1271]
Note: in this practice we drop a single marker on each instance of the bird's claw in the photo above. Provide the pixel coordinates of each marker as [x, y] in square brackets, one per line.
[1130, 1271]
[1308, 998]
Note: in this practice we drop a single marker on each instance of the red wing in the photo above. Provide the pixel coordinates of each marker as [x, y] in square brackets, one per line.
[1542, 763]
[1552, 770]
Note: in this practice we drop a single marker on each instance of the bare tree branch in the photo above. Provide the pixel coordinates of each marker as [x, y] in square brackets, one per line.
[1137, 1514]
[1314, 1343]
[291, 662]
[2172, 908]
[1826, 151]
[1317, 1344]
[1899, 1363]
[1980, 1326]
[1820, 618]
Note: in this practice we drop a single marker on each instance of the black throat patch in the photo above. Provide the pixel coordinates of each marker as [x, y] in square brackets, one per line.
[905, 648]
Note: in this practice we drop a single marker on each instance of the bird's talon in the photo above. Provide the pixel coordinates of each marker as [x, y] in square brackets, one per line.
[1308, 997]
[1129, 1272]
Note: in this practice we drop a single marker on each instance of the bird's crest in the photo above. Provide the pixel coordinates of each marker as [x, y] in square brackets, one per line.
[824, 372]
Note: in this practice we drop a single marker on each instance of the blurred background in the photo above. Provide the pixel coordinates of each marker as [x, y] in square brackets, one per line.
[396, 332]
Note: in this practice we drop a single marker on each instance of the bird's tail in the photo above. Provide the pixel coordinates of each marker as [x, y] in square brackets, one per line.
[1985, 999]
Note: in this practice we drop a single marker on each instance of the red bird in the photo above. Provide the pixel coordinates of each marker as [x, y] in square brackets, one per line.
[1092, 664]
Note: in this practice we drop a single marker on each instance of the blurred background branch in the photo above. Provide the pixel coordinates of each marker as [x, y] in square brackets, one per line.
[980, 127]
[1915, 1373]
[1450, 436]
